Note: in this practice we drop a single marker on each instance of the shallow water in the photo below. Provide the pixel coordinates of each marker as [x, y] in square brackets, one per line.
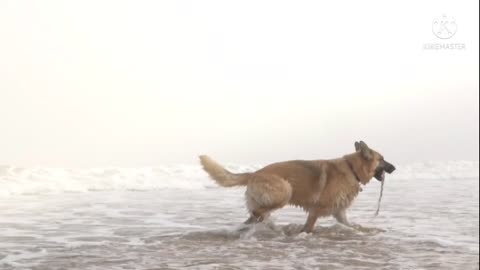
[423, 224]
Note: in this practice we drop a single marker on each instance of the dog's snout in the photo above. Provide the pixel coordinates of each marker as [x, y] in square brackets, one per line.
[389, 168]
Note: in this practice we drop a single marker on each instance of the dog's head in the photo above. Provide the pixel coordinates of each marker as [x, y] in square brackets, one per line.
[376, 165]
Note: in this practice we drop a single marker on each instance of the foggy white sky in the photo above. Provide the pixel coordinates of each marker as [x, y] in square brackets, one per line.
[140, 83]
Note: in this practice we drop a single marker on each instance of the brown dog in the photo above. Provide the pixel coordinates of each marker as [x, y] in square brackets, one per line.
[320, 187]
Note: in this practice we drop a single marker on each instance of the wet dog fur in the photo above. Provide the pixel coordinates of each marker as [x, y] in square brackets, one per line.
[321, 187]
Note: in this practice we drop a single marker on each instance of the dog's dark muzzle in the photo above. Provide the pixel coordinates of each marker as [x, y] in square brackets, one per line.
[383, 167]
[389, 168]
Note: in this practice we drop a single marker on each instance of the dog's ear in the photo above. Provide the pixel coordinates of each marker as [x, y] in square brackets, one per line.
[357, 146]
[364, 149]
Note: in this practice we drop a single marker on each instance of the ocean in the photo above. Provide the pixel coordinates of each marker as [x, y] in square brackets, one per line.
[175, 217]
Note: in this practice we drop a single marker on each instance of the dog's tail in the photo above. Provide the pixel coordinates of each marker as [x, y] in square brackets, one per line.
[223, 177]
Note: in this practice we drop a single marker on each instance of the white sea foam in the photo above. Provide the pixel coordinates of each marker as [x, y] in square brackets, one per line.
[38, 180]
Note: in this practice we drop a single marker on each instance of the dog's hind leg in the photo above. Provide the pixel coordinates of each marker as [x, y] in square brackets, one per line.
[250, 220]
[258, 215]
[264, 194]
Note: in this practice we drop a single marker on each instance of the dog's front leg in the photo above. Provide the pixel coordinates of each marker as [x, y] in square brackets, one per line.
[341, 217]
[312, 218]
[313, 215]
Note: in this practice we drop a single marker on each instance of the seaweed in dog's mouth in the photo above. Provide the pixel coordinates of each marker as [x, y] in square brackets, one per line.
[380, 197]
[380, 176]
[384, 167]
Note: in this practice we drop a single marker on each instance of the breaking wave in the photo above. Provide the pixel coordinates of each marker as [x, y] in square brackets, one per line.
[39, 180]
